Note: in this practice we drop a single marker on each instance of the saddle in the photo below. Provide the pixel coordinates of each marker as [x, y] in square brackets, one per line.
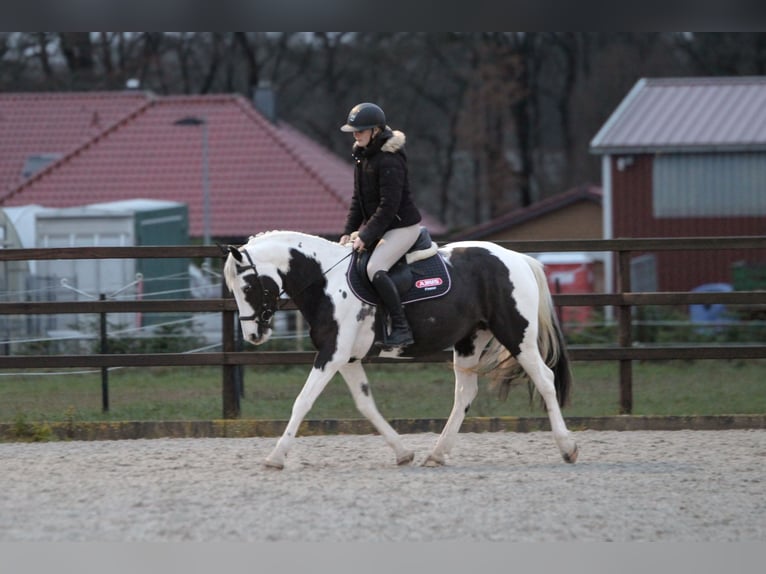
[420, 274]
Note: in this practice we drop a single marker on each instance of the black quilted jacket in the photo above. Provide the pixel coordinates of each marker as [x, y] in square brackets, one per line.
[382, 198]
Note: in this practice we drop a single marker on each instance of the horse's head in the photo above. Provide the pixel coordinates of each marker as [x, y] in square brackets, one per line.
[256, 291]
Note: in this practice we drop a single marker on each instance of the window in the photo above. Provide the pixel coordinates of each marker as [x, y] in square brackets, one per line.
[709, 185]
[38, 162]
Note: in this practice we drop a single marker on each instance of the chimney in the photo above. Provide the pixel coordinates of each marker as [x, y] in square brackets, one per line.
[265, 100]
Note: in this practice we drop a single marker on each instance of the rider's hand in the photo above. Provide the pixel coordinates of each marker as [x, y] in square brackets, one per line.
[344, 239]
[358, 244]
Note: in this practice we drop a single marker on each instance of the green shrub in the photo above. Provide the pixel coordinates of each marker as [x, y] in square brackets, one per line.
[31, 432]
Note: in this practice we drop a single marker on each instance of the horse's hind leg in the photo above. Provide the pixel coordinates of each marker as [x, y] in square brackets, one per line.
[542, 376]
[356, 379]
[466, 358]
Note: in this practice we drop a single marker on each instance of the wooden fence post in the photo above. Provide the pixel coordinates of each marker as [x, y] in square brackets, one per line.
[625, 338]
[229, 387]
[104, 349]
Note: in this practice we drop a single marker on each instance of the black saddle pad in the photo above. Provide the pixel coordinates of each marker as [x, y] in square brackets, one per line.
[430, 278]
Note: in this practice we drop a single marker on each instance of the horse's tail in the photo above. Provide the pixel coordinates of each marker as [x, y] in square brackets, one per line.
[550, 337]
[503, 368]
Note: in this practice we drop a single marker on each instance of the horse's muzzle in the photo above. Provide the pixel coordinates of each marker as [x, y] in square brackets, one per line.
[259, 338]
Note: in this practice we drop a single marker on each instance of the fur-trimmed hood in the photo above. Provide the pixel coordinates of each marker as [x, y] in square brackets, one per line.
[394, 141]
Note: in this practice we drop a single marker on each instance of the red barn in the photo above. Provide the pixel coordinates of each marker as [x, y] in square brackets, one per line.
[685, 157]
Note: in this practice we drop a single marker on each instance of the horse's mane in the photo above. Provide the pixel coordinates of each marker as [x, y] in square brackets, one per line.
[282, 233]
[229, 269]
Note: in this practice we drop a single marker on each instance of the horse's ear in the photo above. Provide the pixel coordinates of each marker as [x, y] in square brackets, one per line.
[236, 253]
[224, 248]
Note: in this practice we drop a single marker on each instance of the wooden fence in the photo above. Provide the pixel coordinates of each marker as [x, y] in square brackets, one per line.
[623, 300]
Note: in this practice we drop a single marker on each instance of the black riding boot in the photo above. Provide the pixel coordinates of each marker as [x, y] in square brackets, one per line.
[400, 335]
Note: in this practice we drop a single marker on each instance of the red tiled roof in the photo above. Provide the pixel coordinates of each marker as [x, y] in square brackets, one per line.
[262, 176]
[544, 207]
[54, 123]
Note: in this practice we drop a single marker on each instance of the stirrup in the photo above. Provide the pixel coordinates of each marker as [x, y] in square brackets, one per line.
[398, 339]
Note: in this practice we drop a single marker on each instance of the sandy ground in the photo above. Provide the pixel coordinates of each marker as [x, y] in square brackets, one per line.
[695, 486]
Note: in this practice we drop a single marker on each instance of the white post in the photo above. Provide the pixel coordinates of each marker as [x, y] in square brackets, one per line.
[608, 230]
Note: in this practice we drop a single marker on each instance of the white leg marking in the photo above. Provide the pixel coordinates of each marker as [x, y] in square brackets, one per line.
[466, 387]
[542, 377]
[312, 388]
[356, 379]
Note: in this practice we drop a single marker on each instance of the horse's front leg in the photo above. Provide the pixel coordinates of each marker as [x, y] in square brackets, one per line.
[312, 388]
[466, 386]
[356, 379]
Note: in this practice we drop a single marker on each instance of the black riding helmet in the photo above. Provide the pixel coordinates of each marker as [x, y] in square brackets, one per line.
[363, 117]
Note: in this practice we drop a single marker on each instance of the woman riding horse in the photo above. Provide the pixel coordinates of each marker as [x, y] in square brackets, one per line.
[382, 212]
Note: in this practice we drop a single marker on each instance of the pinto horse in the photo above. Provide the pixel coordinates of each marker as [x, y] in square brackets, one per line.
[497, 315]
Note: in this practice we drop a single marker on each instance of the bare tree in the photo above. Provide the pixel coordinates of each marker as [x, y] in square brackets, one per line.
[249, 51]
[724, 53]
[77, 49]
[43, 39]
[215, 56]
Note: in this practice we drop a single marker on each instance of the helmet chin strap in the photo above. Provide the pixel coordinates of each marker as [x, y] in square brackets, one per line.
[375, 133]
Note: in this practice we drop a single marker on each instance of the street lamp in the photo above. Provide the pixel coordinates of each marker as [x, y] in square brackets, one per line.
[201, 121]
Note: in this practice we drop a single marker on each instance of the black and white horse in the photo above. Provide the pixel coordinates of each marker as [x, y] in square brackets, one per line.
[497, 313]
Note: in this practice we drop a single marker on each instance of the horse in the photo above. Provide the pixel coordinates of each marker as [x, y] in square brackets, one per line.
[497, 317]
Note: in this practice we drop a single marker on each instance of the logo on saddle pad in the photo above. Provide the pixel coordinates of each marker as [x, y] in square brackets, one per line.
[428, 284]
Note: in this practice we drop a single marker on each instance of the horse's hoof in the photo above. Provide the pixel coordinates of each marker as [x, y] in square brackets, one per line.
[432, 461]
[406, 458]
[571, 458]
[273, 465]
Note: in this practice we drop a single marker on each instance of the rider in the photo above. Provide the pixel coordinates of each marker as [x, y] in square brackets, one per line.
[382, 210]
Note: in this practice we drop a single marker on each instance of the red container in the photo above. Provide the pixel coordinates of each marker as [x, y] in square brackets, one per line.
[570, 273]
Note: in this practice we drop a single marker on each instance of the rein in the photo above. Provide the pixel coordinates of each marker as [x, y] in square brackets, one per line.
[324, 273]
[266, 314]
[350, 253]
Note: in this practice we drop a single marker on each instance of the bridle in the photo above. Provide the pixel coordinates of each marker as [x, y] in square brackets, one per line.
[267, 313]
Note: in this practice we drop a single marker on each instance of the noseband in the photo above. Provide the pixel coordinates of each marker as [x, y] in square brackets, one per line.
[264, 317]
